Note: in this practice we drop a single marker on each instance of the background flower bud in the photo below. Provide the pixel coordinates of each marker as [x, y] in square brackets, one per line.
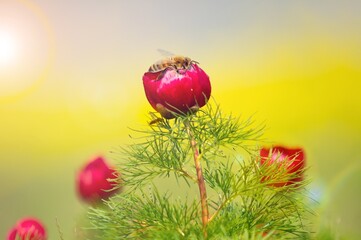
[27, 229]
[290, 161]
[93, 181]
[177, 91]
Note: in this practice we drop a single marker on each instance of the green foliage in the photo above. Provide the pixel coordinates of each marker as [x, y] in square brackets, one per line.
[147, 216]
[242, 203]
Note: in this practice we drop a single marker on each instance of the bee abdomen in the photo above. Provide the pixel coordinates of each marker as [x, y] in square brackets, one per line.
[158, 66]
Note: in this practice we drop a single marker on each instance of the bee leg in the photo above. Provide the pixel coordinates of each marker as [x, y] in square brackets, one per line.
[160, 75]
[172, 67]
[175, 68]
[192, 62]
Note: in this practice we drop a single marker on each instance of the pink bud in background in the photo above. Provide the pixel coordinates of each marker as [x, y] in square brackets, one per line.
[93, 181]
[292, 160]
[177, 90]
[27, 229]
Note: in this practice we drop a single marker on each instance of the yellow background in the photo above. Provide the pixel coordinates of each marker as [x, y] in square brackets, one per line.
[74, 87]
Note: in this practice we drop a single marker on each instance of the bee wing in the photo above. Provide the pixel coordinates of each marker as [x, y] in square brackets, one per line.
[165, 53]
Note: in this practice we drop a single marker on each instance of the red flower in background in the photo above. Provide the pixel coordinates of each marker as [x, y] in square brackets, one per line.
[177, 90]
[27, 229]
[93, 181]
[289, 160]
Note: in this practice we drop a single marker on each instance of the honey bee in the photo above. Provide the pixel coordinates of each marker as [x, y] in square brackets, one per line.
[176, 62]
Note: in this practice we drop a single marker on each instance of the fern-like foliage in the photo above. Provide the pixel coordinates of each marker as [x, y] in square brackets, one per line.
[242, 203]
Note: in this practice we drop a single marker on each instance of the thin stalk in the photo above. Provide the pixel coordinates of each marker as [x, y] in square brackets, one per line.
[200, 179]
[219, 209]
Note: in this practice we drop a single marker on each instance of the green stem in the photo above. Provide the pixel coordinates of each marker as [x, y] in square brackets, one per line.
[200, 179]
[218, 210]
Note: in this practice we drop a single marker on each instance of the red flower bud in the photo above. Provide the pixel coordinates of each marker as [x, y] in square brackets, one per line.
[289, 160]
[177, 90]
[93, 181]
[27, 229]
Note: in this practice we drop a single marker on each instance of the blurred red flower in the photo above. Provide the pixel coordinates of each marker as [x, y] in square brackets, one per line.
[177, 90]
[93, 181]
[288, 163]
[27, 229]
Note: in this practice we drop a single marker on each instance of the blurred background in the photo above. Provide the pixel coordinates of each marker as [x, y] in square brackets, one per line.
[70, 88]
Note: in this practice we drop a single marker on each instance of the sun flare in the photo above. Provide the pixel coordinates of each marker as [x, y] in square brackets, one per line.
[26, 48]
[8, 48]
